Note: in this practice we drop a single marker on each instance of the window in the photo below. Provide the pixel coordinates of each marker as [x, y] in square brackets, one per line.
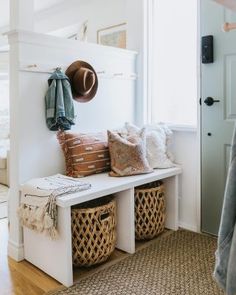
[174, 59]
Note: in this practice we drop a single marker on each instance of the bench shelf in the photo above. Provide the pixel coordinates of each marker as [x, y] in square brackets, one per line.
[55, 257]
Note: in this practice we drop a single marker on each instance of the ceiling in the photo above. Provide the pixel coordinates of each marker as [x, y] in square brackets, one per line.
[38, 5]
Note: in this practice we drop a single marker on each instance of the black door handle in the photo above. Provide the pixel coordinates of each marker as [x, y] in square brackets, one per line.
[210, 101]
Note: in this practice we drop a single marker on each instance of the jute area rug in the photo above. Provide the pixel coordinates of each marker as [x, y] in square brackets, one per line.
[179, 263]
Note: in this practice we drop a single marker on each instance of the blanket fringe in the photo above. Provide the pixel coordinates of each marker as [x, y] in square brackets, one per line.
[42, 216]
[37, 219]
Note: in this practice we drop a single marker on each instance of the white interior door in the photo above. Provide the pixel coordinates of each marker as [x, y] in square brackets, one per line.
[218, 81]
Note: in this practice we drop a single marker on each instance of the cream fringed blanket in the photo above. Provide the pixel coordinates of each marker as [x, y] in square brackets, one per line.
[38, 210]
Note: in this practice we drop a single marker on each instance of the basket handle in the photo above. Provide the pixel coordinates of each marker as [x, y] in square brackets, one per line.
[104, 216]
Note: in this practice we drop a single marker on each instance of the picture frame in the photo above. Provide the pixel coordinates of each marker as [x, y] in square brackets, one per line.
[113, 36]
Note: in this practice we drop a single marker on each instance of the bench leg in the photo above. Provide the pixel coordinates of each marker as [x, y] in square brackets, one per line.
[53, 257]
[125, 221]
[172, 208]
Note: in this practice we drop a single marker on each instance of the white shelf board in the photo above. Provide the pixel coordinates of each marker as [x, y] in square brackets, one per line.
[103, 184]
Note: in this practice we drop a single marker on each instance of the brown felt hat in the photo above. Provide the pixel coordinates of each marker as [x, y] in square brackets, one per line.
[83, 80]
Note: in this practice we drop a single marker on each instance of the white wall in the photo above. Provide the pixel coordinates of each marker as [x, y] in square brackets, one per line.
[185, 148]
[112, 106]
[100, 14]
[35, 151]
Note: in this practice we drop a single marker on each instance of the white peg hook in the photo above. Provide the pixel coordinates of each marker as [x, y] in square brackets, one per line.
[227, 27]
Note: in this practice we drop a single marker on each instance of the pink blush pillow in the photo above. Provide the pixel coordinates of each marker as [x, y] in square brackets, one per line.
[128, 154]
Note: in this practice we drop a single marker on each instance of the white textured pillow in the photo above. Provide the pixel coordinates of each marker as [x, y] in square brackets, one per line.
[156, 141]
[169, 135]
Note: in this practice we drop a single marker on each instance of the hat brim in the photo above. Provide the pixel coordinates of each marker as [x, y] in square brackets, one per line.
[70, 72]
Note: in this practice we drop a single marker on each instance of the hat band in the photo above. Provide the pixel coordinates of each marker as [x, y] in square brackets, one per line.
[85, 79]
[88, 75]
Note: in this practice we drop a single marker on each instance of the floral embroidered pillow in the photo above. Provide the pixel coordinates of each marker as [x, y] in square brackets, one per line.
[128, 154]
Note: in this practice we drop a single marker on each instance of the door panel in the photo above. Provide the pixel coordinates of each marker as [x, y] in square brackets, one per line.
[218, 80]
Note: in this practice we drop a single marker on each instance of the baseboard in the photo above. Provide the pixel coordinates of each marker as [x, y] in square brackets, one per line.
[188, 226]
[15, 251]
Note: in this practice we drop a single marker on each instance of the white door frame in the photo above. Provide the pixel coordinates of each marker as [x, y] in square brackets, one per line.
[199, 184]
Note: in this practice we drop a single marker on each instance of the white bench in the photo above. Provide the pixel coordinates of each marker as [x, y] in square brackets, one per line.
[55, 257]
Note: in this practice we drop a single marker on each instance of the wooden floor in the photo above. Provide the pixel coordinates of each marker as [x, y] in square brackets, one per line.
[20, 278]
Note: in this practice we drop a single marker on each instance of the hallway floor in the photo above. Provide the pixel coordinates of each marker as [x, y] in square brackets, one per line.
[20, 278]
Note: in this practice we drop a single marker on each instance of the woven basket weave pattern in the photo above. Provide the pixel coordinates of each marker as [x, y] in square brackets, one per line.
[93, 234]
[149, 211]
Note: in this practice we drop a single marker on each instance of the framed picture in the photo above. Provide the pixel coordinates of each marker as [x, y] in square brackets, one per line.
[113, 36]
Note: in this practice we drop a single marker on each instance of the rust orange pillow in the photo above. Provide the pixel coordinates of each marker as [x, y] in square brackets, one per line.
[128, 154]
[85, 154]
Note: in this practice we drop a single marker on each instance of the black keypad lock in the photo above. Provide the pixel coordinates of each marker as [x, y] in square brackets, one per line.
[207, 49]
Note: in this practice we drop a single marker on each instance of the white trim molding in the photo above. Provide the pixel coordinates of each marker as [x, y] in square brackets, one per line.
[198, 197]
[188, 226]
[15, 251]
[182, 128]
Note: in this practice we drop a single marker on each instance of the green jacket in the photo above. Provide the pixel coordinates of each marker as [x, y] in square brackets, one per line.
[59, 103]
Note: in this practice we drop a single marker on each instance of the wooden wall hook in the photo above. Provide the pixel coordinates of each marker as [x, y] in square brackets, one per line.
[227, 27]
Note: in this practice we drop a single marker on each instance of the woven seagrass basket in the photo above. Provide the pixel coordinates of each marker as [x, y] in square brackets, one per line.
[149, 210]
[93, 231]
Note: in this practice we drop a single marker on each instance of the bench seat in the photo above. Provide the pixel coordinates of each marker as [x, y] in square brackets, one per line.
[103, 185]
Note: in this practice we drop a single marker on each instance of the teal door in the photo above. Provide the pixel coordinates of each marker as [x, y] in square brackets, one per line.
[218, 81]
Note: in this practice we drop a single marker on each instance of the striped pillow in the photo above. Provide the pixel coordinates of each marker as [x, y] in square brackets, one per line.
[85, 154]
